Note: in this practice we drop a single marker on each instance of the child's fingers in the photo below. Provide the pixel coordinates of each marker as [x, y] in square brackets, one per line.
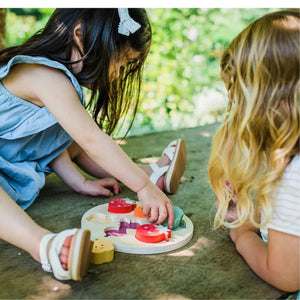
[116, 188]
[115, 185]
[97, 190]
[163, 214]
[170, 215]
[154, 214]
[111, 182]
[146, 210]
[105, 192]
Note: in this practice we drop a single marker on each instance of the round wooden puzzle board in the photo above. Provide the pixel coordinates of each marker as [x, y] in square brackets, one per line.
[98, 220]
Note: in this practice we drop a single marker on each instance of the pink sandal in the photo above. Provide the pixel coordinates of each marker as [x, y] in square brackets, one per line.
[79, 254]
[177, 153]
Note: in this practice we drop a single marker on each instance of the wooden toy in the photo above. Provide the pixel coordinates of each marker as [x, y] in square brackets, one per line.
[102, 252]
[121, 206]
[131, 232]
[149, 233]
[178, 215]
[138, 212]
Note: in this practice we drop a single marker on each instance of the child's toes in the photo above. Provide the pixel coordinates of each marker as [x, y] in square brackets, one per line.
[67, 242]
[64, 253]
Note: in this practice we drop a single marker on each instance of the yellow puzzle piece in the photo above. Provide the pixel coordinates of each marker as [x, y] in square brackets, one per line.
[102, 252]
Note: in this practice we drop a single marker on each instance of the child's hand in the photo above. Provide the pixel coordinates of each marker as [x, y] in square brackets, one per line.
[155, 202]
[99, 187]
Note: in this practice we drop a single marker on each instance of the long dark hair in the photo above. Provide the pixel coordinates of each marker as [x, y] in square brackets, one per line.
[101, 43]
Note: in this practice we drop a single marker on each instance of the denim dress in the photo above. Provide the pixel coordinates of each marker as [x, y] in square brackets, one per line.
[30, 137]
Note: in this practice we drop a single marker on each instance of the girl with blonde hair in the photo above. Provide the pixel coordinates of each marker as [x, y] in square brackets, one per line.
[254, 166]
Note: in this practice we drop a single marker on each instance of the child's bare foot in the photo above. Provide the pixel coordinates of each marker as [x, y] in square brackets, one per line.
[64, 253]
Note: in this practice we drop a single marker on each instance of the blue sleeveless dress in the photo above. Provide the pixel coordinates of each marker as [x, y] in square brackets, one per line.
[30, 137]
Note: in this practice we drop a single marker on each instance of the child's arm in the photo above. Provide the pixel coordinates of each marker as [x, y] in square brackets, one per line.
[53, 89]
[65, 169]
[277, 262]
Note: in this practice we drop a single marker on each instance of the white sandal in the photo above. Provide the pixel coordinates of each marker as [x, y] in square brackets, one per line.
[79, 254]
[176, 151]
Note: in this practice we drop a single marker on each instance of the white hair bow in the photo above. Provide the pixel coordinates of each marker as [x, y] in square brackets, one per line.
[127, 25]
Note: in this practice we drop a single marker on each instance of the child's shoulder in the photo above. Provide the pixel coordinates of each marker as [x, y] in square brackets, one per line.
[32, 73]
[26, 60]
[27, 67]
[33, 65]
[33, 69]
[38, 72]
[26, 80]
[26, 76]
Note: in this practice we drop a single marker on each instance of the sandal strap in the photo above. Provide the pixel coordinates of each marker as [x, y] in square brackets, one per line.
[170, 150]
[157, 172]
[43, 252]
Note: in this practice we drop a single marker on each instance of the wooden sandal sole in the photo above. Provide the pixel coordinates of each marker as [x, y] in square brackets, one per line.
[80, 253]
[177, 168]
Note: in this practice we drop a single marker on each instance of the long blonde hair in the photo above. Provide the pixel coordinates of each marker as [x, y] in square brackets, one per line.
[260, 133]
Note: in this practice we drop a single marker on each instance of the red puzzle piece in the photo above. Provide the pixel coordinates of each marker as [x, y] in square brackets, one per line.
[121, 206]
[150, 233]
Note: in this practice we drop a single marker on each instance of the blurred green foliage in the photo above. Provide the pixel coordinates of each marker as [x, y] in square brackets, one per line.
[24, 22]
[181, 86]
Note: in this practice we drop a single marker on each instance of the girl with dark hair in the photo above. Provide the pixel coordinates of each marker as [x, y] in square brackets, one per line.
[44, 127]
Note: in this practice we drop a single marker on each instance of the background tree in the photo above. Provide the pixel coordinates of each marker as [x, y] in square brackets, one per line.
[181, 83]
[3, 12]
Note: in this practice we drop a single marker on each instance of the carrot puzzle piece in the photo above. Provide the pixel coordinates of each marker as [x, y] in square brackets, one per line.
[102, 252]
[138, 212]
[121, 206]
[150, 233]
